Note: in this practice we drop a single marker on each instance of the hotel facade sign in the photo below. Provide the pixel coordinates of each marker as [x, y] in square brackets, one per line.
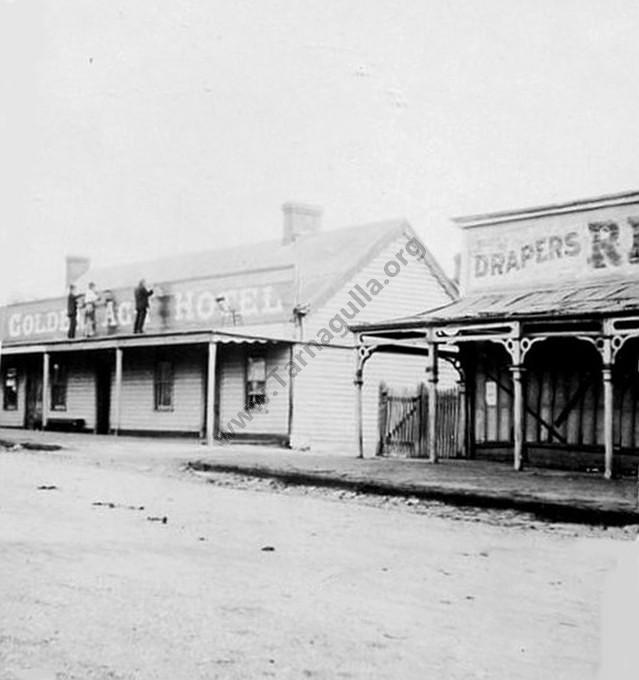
[585, 245]
[256, 297]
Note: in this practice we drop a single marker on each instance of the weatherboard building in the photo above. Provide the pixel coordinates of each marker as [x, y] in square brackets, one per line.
[248, 343]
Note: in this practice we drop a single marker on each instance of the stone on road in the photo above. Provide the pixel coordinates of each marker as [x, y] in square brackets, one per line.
[251, 584]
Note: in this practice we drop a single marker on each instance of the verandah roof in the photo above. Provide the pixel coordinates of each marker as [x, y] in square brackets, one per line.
[144, 340]
[617, 298]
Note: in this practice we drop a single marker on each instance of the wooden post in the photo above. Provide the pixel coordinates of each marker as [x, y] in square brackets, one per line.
[608, 419]
[433, 378]
[462, 419]
[45, 389]
[359, 417]
[291, 390]
[518, 416]
[362, 355]
[382, 400]
[117, 392]
[210, 393]
[423, 416]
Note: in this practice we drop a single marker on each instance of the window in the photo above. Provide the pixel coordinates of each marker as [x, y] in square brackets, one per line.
[58, 387]
[10, 396]
[163, 386]
[255, 381]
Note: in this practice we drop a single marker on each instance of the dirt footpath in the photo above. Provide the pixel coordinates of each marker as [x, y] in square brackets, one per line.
[248, 583]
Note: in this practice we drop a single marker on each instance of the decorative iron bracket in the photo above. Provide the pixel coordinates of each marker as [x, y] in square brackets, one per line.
[364, 353]
[456, 363]
[518, 348]
[604, 346]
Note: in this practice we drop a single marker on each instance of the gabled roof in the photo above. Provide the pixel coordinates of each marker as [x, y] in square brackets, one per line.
[320, 262]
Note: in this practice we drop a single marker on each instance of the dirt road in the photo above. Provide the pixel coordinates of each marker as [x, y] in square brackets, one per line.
[238, 583]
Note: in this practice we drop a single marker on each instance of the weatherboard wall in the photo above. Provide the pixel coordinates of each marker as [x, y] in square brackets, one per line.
[325, 415]
[80, 389]
[138, 413]
[234, 418]
[324, 408]
[413, 289]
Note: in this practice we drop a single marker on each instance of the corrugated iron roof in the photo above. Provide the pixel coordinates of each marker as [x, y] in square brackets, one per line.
[323, 261]
[578, 300]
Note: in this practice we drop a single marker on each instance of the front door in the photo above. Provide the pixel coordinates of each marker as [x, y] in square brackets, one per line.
[33, 410]
[102, 396]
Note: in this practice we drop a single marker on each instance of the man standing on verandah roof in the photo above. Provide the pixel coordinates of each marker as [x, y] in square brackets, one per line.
[142, 295]
[72, 311]
[91, 298]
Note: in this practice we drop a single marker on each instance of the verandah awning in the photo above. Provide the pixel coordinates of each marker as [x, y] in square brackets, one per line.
[612, 298]
[145, 340]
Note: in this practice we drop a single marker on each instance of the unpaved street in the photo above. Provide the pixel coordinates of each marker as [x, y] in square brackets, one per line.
[243, 583]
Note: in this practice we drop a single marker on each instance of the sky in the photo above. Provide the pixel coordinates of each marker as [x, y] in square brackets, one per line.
[134, 130]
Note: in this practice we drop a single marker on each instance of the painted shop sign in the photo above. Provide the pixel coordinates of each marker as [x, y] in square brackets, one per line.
[550, 249]
[210, 303]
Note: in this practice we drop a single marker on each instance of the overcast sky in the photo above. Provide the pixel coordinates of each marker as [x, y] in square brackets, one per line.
[131, 130]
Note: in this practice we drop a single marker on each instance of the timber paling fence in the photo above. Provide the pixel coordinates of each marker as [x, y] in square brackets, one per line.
[403, 423]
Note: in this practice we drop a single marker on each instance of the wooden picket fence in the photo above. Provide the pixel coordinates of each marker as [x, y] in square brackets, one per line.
[403, 423]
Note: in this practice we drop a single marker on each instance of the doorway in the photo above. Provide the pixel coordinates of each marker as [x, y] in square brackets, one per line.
[33, 410]
[102, 395]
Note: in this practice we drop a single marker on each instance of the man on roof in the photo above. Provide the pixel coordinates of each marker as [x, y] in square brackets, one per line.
[142, 295]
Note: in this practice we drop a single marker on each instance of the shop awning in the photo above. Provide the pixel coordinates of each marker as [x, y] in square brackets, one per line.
[613, 298]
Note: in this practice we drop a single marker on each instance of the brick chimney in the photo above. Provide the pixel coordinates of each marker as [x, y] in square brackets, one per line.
[299, 219]
[75, 267]
[457, 265]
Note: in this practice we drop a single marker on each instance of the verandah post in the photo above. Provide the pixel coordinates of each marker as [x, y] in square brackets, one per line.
[359, 383]
[608, 420]
[210, 393]
[117, 391]
[518, 415]
[382, 417]
[605, 347]
[45, 389]
[362, 355]
[423, 425]
[433, 379]
[462, 419]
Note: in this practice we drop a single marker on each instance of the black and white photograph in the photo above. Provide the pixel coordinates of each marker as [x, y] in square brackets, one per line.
[319, 340]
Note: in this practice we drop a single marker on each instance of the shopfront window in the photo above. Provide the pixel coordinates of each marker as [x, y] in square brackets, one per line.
[164, 386]
[10, 396]
[255, 380]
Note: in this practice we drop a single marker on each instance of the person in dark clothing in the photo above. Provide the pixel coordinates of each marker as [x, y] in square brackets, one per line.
[142, 295]
[72, 311]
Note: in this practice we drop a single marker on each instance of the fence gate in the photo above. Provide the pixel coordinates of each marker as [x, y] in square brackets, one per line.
[403, 423]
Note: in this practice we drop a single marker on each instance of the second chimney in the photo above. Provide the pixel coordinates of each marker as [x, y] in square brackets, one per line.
[75, 267]
[299, 219]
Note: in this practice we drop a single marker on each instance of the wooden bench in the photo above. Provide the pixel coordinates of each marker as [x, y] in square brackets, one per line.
[66, 424]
